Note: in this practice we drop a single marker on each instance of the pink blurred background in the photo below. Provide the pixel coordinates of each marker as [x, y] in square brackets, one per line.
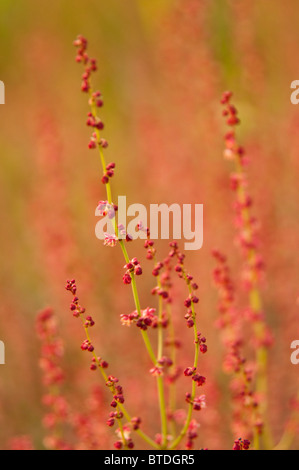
[162, 69]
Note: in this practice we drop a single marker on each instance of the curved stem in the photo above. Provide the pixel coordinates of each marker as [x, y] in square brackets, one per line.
[172, 385]
[160, 379]
[182, 434]
[144, 334]
[121, 429]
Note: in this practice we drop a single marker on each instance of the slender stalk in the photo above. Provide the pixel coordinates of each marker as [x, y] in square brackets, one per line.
[183, 432]
[121, 429]
[160, 379]
[172, 385]
[160, 327]
[91, 66]
[154, 359]
[122, 245]
[161, 391]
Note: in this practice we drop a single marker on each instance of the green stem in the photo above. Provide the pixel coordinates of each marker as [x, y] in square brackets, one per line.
[160, 330]
[172, 385]
[163, 415]
[138, 431]
[182, 434]
[177, 441]
[160, 381]
[121, 429]
[137, 302]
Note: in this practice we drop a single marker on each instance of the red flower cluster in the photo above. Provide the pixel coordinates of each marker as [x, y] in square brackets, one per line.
[90, 64]
[191, 434]
[133, 267]
[246, 223]
[241, 444]
[95, 101]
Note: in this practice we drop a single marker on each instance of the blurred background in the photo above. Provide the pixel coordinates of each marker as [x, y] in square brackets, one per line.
[163, 66]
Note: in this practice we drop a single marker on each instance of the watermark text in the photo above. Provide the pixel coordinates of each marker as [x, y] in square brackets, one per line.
[163, 221]
[295, 354]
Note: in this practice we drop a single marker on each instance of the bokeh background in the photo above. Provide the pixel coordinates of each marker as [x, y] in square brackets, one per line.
[163, 65]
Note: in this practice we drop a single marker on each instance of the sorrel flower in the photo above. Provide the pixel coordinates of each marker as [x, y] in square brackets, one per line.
[143, 318]
[110, 240]
[240, 444]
